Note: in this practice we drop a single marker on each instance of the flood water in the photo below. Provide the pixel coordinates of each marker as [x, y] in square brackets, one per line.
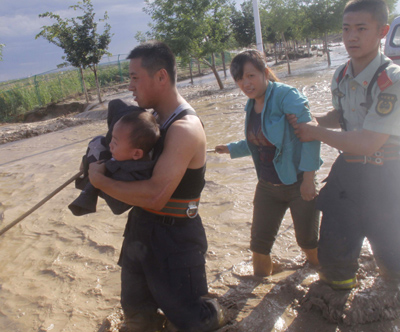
[59, 272]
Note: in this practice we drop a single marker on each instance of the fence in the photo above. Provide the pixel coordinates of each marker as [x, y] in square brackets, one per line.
[20, 96]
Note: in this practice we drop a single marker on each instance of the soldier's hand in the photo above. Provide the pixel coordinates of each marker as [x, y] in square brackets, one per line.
[304, 131]
[292, 119]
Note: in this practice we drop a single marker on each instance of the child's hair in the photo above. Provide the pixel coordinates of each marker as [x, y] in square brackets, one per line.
[377, 8]
[256, 58]
[144, 129]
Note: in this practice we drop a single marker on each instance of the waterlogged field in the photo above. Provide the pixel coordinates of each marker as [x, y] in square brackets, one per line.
[58, 272]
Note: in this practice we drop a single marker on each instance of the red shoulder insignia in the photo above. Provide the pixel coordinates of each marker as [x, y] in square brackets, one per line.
[343, 73]
[384, 81]
[345, 70]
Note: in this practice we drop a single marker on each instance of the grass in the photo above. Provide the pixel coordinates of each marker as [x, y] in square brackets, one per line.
[18, 97]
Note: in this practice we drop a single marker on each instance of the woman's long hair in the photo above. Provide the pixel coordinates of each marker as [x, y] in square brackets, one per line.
[256, 58]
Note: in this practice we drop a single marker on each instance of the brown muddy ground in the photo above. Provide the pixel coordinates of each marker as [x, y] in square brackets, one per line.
[56, 116]
[58, 272]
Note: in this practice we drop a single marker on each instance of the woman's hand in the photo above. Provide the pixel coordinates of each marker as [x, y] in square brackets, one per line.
[308, 188]
[221, 149]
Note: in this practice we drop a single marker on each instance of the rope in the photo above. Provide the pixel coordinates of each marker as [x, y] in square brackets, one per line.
[44, 200]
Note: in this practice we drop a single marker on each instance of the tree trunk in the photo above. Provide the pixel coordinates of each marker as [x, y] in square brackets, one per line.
[328, 56]
[97, 83]
[214, 69]
[198, 66]
[223, 63]
[191, 71]
[286, 53]
[276, 55]
[84, 85]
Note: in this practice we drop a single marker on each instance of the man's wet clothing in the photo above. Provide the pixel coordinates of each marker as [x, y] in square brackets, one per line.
[163, 265]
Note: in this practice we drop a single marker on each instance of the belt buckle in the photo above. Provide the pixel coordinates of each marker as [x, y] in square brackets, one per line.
[192, 210]
[365, 160]
[168, 221]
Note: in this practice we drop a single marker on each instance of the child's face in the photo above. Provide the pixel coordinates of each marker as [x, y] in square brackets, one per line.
[120, 146]
[253, 83]
[362, 35]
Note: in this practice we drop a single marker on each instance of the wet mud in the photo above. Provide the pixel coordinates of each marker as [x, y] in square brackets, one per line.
[58, 272]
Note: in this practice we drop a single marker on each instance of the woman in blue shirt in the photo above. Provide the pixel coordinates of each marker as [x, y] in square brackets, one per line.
[285, 167]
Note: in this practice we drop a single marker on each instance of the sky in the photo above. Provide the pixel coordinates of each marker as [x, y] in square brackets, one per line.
[25, 56]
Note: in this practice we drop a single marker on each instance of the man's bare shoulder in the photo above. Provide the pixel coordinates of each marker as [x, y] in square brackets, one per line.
[189, 124]
[187, 135]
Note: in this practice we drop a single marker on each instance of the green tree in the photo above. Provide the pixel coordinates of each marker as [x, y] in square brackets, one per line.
[78, 37]
[192, 28]
[392, 5]
[281, 18]
[324, 17]
[392, 9]
[141, 37]
[242, 21]
[1, 51]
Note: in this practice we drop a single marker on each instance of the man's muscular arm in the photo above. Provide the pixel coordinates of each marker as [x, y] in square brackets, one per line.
[362, 142]
[184, 147]
[328, 120]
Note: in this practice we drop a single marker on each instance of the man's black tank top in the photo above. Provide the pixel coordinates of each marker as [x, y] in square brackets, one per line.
[193, 180]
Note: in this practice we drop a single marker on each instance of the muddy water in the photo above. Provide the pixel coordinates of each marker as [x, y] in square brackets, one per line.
[58, 272]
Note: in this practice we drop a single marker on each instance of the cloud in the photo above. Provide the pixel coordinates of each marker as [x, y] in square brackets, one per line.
[28, 24]
[20, 25]
[124, 9]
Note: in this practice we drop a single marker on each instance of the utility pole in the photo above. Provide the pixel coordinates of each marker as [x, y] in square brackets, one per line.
[257, 26]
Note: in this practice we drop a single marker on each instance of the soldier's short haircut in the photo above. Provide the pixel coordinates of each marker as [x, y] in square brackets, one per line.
[155, 55]
[377, 8]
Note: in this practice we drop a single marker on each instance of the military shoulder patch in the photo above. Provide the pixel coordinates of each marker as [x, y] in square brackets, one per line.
[384, 81]
[338, 93]
[386, 102]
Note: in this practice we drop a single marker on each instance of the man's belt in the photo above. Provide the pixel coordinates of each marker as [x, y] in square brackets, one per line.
[179, 208]
[385, 153]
